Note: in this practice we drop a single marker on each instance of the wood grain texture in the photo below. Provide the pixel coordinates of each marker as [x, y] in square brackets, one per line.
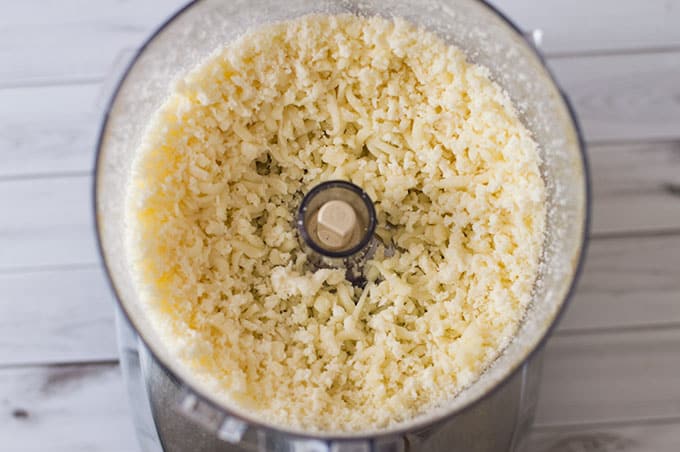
[612, 377]
[601, 26]
[636, 187]
[69, 313]
[624, 97]
[48, 129]
[46, 222]
[64, 409]
[44, 41]
[643, 437]
[627, 283]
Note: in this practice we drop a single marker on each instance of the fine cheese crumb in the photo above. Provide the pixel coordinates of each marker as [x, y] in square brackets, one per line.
[457, 189]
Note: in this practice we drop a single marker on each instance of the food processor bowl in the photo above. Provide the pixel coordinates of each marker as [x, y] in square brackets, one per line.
[488, 39]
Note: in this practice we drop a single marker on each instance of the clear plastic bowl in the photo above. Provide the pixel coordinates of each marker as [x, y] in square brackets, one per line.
[487, 38]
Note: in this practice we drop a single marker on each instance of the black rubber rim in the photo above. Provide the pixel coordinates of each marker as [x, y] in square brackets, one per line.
[417, 426]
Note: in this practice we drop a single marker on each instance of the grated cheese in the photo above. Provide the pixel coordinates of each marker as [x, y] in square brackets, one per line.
[434, 142]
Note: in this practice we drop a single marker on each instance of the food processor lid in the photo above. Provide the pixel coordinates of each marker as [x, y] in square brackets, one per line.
[484, 35]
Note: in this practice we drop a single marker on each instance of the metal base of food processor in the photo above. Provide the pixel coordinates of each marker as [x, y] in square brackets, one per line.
[499, 423]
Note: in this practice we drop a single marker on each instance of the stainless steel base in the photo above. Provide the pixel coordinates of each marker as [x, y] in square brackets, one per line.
[497, 424]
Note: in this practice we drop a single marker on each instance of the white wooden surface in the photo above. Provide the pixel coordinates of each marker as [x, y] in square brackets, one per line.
[612, 371]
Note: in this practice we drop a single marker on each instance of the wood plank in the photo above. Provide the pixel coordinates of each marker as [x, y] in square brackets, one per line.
[636, 186]
[53, 128]
[624, 97]
[610, 377]
[617, 377]
[84, 41]
[642, 437]
[601, 26]
[70, 313]
[48, 129]
[46, 222]
[627, 283]
[65, 409]
[49, 222]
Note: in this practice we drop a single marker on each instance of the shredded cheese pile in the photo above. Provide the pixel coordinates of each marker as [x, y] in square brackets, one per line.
[457, 189]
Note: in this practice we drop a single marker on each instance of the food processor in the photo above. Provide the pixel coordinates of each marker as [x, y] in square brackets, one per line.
[171, 411]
